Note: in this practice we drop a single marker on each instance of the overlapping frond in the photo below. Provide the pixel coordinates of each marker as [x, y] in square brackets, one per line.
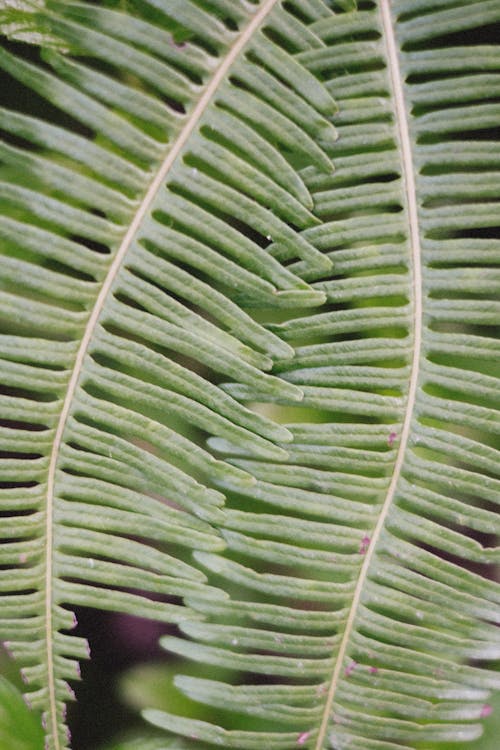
[248, 384]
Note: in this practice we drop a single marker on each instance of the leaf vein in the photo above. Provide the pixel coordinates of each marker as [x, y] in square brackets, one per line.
[414, 231]
[115, 266]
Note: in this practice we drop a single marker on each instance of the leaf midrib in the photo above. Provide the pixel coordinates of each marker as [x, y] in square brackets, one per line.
[140, 214]
[408, 176]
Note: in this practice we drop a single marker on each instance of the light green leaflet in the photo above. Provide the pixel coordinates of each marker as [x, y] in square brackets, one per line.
[249, 365]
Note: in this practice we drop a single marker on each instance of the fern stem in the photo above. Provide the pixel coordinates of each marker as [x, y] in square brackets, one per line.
[413, 220]
[141, 213]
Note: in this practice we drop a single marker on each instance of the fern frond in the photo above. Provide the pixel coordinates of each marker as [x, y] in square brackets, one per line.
[249, 283]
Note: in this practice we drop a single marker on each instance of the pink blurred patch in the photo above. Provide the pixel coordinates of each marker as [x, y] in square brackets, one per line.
[365, 543]
[350, 668]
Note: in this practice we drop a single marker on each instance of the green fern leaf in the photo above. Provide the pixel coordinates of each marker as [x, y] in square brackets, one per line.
[248, 358]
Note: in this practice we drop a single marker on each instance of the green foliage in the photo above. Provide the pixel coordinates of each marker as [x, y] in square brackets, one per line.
[489, 739]
[249, 363]
[19, 727]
